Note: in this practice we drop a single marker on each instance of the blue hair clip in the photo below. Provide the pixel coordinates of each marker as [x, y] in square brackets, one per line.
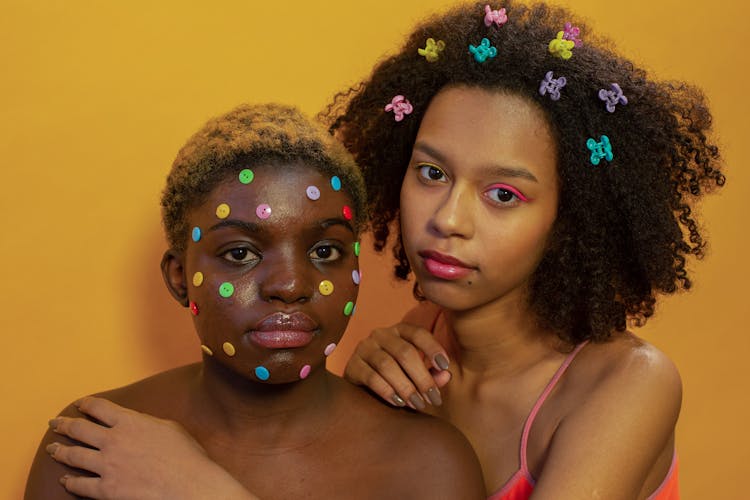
[600, 150]
[483, 51]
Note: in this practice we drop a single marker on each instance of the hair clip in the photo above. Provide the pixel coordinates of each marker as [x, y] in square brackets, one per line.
[432, 50]
[552, 86]
[560, 47]
[494, 16]
[483, 51]
[600, 150]
[400, 106]
[612, 97]
[571, 33]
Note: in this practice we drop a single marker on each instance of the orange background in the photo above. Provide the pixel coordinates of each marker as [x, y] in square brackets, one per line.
[97, 97]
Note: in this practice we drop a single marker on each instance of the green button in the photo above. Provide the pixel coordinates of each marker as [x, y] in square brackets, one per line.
[226, 290]
[246, 176]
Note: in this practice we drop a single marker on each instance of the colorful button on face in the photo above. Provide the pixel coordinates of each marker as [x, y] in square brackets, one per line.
[325, 287]
[356, 277]
[336, 183]
[207, 350]
[222, 211]
[194, 308]
[226, 290]
[312, 192]
[304, 372]
[347, 212]
[262, 373]
[228, 348]
[263, 211]
[348, 308]
[329, 349]
[246, 176]
[356, 248]
[198, 279]
[196, 235]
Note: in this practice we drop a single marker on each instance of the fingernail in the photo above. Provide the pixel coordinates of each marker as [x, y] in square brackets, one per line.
[417, 401]
[434, 394]
[52, 448]
[441, 361]
[53, 423]
[397, 400]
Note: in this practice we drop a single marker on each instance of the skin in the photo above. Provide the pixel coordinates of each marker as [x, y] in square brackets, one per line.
[283, 438]
[607, 430]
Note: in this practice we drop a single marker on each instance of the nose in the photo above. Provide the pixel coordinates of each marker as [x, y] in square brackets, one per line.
[453, 215]
[285, 279]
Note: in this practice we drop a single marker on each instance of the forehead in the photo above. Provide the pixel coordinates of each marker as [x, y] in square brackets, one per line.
[274, 194]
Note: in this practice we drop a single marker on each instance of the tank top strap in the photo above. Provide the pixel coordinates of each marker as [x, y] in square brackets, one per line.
[540, 401]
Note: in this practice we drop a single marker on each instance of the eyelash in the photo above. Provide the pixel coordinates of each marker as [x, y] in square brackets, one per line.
[424, 175]
[336, 253]
[246, 252]
[517, 196]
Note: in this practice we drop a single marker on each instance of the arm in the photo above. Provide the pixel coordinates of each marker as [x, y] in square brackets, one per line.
[404, 363]
[607, 446]
[135, 456]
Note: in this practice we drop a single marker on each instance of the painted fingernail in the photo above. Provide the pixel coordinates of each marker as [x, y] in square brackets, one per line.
[434, 396]
[52, 448]
[53, 422]
[397, 400]
[441, 361]
[417, 401]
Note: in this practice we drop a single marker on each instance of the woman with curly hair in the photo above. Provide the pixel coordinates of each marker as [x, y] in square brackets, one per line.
[541, 189]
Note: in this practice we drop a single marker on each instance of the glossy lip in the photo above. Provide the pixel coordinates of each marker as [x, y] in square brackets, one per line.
[445, 266]
[284, 331]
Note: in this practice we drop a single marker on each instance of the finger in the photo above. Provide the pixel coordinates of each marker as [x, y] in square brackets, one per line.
[441, 377]
[102, 409]
[76, 456]
[426, 342]
[358, 372]
[87, 487]
[80, 429]
[396, 373]
[408, 363]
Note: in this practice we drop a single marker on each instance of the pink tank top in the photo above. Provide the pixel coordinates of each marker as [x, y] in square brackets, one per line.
[521, 484]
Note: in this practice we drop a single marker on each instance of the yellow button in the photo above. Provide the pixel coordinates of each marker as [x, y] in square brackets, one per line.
[207, 350]
[228, 348]
[222, 211]
[325, 287]
[198, 279]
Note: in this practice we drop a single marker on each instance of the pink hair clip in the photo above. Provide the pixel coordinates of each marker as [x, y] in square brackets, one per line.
[612, 97]
[400, 106]
[494, 16]
[571, 33]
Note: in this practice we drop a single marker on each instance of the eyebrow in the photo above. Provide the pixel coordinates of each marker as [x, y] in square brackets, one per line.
[491, 170]
[254, 227]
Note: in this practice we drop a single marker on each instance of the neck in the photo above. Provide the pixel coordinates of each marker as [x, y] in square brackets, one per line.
[500, 338]
[272, 415]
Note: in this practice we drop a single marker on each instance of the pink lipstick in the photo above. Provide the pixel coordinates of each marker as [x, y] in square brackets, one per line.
[284, 331]
[444, 266]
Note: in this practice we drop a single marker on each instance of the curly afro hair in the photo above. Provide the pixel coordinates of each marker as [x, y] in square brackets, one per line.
[262, 134]
[625, 227]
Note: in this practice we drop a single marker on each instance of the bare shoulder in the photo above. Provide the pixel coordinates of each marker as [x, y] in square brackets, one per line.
[148, 395]
[415, 445]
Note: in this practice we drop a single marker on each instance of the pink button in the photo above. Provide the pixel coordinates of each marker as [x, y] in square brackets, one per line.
[263, 211]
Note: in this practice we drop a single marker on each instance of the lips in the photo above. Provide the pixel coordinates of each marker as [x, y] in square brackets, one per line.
[284, 331]
[445, 266]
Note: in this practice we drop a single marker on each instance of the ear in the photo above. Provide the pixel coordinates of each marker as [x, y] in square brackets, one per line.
[173, 271]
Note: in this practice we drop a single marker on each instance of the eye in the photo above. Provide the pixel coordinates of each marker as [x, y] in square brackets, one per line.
[240, 255]
[325, 253]
[429, 172]
[505, 196]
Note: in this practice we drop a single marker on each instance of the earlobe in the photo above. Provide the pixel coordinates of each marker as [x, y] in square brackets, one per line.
[173, 271]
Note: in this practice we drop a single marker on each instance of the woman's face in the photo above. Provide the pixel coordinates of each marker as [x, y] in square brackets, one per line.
[479, 198]
[272, 278]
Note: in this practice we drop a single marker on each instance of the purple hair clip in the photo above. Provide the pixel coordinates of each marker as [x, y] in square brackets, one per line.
[552, 86]
[612, 97]
[571, 33]
[494, 16]
[400, 106]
